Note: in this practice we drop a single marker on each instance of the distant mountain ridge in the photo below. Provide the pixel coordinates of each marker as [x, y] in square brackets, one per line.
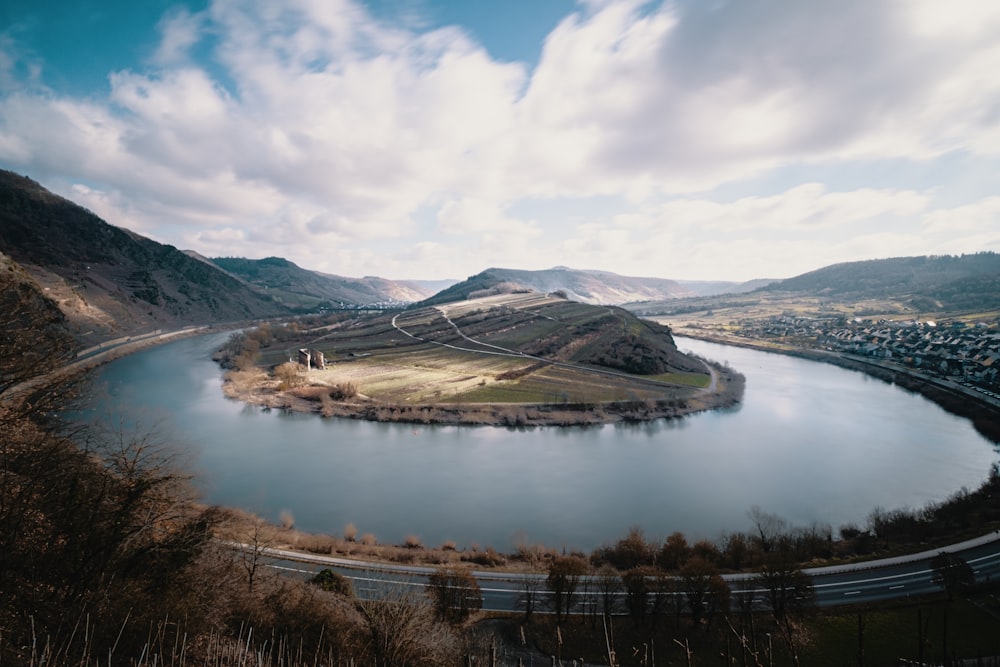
[593, 287]
[956, 282]
[109, 281]
[302, 289]
[943, 284]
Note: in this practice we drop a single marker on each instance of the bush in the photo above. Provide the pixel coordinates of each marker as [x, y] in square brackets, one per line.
[333, 582]
[350, 532]
[455, 593]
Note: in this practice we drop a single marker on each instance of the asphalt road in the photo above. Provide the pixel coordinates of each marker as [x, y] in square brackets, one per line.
[873, 581]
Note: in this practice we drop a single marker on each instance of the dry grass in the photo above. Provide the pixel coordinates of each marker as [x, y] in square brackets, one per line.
[379, 373]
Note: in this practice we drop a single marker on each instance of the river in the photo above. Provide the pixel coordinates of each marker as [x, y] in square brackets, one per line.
[810, 442]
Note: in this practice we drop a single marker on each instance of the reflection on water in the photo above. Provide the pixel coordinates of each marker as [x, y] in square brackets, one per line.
[810, 442]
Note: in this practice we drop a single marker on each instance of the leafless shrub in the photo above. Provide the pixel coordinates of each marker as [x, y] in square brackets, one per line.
[488, 558]
[290, 375]
[350, 531]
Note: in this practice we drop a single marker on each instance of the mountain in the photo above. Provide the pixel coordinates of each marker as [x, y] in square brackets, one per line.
[942, 285]
[593, 287]
[301, 289]
[35, 335]
[964, 282]
[109, 281]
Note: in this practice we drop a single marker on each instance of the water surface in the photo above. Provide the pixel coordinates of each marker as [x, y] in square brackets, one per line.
[810, 442]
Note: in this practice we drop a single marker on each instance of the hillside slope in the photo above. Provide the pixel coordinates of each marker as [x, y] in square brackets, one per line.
[300, 288]
[109, 281]
[927, 283]
[35, 336]
[561, 330]
[942, 286]
[593, 287]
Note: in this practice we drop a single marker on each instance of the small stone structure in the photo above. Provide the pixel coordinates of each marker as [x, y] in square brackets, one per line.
[312, 359]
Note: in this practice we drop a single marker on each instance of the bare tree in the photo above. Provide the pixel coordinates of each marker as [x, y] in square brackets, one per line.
[564, 577]
[637, 591]
[952, 573]
[401, 628]
[789, 593]
[769, 527]
[252, 553]
[608, 586]
[674, 552]
[705, 589]
[529, 592]
[455, 593]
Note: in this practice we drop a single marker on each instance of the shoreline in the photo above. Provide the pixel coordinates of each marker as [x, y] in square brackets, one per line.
[265, 394]
[982, 413]
[377, 552]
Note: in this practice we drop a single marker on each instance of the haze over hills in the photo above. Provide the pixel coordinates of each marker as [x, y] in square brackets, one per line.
[300, 288]
[108, 280]
[593, 287]
[945, 285]
[953, 283]
[713, 287]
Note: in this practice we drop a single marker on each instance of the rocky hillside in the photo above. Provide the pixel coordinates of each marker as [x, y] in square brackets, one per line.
[109, 281]
[300, 288]
[35, 335]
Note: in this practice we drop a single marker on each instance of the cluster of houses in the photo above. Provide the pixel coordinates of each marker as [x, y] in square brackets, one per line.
[969, 353]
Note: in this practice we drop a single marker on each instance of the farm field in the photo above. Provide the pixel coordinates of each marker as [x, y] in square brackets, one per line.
[522, 350]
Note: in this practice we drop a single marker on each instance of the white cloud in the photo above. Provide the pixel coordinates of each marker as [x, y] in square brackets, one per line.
[474, 216]
[980, 219]
[696, 94]
[319, 132]
[180, 30]
[804, 209]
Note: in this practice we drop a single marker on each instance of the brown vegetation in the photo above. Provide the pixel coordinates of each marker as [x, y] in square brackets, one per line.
[107, 558]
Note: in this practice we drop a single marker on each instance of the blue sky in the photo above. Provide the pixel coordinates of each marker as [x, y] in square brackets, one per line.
[689, 139]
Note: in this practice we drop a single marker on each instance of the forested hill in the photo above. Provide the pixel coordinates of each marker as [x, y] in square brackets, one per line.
[954, 283]
[939, 286]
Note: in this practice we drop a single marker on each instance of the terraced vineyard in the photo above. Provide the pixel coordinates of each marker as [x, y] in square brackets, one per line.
[522, 348]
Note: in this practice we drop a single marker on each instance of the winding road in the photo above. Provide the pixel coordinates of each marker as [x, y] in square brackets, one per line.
[872, 581]
[507, 352]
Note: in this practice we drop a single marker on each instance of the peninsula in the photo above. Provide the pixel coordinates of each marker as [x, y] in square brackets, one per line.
[507, 356]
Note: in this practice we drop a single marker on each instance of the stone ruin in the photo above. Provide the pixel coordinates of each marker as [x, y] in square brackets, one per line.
[312, 359]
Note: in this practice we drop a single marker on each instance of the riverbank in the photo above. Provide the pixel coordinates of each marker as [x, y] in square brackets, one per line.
[260, 389]
[983, 412]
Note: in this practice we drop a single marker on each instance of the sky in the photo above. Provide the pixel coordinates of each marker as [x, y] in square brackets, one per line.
[432, 139]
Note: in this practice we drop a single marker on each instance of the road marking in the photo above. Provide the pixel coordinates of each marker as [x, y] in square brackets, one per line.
[853, 593]
[892, 588]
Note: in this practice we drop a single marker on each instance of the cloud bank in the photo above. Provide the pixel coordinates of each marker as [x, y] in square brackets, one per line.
[684, 139]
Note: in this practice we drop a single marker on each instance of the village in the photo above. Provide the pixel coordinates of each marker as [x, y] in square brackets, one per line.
[969, 354]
